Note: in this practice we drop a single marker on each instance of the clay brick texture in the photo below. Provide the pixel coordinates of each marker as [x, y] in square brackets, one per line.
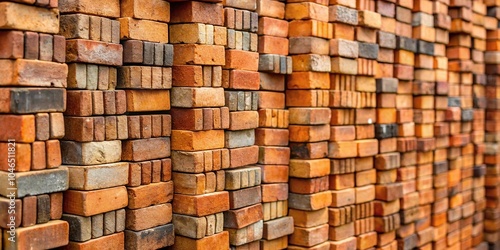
[250, 124]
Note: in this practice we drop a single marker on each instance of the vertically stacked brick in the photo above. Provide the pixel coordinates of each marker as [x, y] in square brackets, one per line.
[32, 97]
[198, 122]
[404, 58]
[342, 146]
[388, 189]
[272, 136]
[307, 98]
[240, 78]
[442, 23]
[366, 116]
[491, 153]
[460, 115]
[481, 23]
[146, 78]
[94, 124]
[424, 117]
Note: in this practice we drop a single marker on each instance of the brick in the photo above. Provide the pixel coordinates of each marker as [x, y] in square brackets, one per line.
[89, 153]
[41, 19]
[147, 100]
[272, 27]
[244, 197]
[193, 141]
[243, 217]
[23, 72]
[309, 168]
[308, 237]
[13, 42]
[113, 241]
[241, 79]
[245, 235]
[143, 30]
[198, 97]
[36, 182]
[339, 13]
[49, 235]
[15, 212]
[147, 195]
[197, 12]
[93, 52]
[201, 205]
[306, 10]
[278, 228]
[96, 176]
[20, 128]
[310, 202]
[146, 149]
[150, 10]
[218, 241]
[84, 202]
[198, 54]
[149, 217]
[157, 237]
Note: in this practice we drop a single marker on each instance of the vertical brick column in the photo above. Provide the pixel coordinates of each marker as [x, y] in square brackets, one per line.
[307, 99]
[424, 117]
[366, 116]
[388, 189]
[272, 136]
[198, 122]
[459, 114]
[481, 24]
[404, 58]
[240, 78]
[342, 146]
[491, 154]
[146, 78]
[95, 125]
[32, 96]
[442, 23]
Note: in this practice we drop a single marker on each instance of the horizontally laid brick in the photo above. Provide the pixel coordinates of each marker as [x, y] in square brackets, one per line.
[147, 195]
[49, 235]
[90, 153]
[39, 19]
[151, 10]
[96, 176]
[143, 30]
[85, 203]
[37, 182]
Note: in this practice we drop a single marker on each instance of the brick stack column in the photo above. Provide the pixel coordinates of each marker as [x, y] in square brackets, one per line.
[306, 98]
[442, 23]
[366, 116]
[424, 118]
[481, 24]
[94, 124]
[460, 113]
[198, 122]
[491, 153]
[240, 79]
[272, 136]
[406, 142]
[388, 189]
[32, 90]
[146, 78]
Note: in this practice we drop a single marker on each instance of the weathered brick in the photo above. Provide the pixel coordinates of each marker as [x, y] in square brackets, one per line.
[152, 194]
[37, 19]
[84, 203]
[36, 182]
[157, 237]
[97, 176]
[49, 235]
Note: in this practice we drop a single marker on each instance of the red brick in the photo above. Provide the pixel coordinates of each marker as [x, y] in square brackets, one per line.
[201, 205]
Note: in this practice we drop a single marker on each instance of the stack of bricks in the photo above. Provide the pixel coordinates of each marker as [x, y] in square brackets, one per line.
[33, 98]
[388, 189]
[481, 24]
[307, 100]
[342, 147]
[369, 123]
[424, 118]
[272, 136]
[459, 115]
[146, 78]
[94, 124]
[404, 56]
[442, 25]
[491, 153]
[198, 122]
[240, 79]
